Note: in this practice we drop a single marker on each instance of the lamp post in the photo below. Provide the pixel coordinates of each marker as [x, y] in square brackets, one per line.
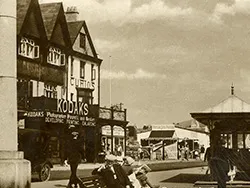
[15, 172]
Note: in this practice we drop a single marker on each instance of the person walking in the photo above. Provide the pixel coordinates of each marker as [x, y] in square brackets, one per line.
[207, 158]
[202, 152]
[220, 164]
[73, 155]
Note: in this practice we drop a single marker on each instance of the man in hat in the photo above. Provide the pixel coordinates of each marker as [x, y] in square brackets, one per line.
[74, 155]
[113, 174]
[220, 163]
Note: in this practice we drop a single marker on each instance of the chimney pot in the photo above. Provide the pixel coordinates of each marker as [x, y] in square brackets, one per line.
[72, 14]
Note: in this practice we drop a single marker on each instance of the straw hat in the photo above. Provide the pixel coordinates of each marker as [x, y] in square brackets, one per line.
[129, 160]
[110, 158]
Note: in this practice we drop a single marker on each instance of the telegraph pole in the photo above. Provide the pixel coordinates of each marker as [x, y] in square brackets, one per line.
[15, 172]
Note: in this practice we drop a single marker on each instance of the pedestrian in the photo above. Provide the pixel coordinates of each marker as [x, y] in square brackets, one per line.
[220, 164]
[74, 155]
[141, 175]
[113, 174]
[207, 158]
[182, 151]
[140, 152]
[119, 150]
[186, 152]
[129, 170]
[202, 152]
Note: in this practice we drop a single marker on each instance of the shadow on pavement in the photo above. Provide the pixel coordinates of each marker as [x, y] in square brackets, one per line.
[187, 178]
[59, 185]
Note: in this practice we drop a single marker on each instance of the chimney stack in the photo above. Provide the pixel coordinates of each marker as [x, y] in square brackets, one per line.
[72, 14]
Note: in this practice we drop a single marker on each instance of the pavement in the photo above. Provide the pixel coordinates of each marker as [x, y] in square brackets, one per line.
[60, 174]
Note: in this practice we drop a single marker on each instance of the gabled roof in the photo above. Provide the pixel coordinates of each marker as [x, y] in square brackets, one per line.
[22, 9]
[232, 104]
[74, 30]
[50, 13]
[55, 24]
[29, 18]
[192, 125]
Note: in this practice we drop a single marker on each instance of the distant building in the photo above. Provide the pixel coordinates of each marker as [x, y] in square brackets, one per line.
[165, 139]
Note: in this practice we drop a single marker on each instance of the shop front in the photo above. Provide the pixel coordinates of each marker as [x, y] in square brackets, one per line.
[55, 116]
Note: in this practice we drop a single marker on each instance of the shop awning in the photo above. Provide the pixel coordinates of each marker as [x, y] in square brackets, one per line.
[161, 135]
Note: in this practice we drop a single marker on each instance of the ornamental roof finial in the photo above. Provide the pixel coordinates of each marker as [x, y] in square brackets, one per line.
[232, 89]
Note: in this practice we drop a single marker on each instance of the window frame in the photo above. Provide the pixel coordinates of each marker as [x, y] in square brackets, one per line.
[82, 69]
[82, 41]
[50, 91]
[93, 72]
[28, 48]
[55, 56]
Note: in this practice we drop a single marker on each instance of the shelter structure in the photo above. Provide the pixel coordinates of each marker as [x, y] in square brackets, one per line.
[229, 120]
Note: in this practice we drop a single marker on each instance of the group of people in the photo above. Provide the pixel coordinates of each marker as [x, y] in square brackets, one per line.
[117, 173]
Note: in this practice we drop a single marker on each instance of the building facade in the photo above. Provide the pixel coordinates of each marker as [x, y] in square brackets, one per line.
[51, 94]
[58, 81]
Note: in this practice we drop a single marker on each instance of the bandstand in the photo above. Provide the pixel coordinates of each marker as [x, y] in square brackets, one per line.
[230, 120]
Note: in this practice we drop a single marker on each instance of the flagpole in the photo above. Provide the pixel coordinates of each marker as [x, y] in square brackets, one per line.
[110, 83]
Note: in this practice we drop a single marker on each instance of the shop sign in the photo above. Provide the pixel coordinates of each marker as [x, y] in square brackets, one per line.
[89, 122]
[72, 119]
[117, 131]
[35, 114]
[52, 117]
[81, 83]
[71, 107]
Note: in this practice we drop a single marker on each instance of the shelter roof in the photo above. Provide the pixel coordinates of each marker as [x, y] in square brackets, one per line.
[232, 104]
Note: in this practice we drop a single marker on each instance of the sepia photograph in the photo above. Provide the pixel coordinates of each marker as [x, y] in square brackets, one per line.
[125, 93]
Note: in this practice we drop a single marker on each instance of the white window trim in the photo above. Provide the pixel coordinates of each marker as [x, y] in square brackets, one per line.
[50, 89]
[56, 57]
[93, 72]
[27, 48]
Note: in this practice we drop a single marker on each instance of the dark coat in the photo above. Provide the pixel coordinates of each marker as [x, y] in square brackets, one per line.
[74, 150]
[108, 177]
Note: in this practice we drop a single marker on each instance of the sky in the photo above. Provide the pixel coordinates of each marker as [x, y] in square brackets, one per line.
[166, 59]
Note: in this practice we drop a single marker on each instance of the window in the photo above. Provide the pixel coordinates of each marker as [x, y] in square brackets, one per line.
[82, 40]
[85, 95]
[93, 72]
[56, 57]
[72, 67]
[28, 48]
[50, 91]
[82, 69]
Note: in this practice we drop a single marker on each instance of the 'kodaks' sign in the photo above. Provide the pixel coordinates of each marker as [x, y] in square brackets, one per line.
[76, 108]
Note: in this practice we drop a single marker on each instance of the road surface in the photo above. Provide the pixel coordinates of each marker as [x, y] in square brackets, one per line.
[182, 178]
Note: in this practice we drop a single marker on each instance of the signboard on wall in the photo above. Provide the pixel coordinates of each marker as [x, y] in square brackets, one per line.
[117, 131]
[82, 83]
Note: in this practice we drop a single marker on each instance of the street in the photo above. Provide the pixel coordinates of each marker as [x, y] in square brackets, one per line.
[182, 178]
